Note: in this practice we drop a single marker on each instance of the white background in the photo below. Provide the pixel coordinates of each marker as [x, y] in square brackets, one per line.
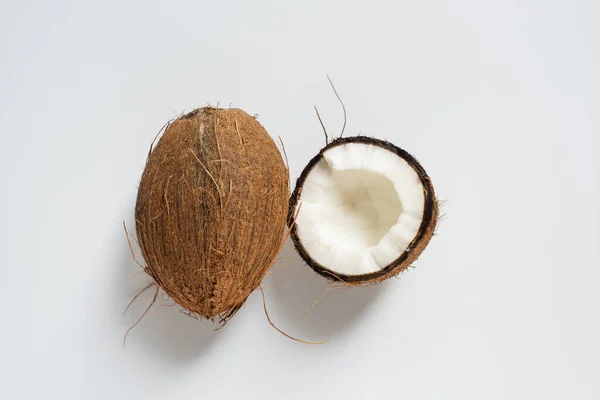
[499, 100]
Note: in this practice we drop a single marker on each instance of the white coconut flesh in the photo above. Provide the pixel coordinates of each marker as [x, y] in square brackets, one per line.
[361, 206]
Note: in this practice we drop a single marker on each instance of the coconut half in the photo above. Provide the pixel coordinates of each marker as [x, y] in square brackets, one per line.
[362, 210]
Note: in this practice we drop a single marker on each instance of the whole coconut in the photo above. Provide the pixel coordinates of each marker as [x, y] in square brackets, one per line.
[211, 210]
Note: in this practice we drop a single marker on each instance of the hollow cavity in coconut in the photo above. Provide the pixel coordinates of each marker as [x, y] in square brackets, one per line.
[211, 210]
[362, 211]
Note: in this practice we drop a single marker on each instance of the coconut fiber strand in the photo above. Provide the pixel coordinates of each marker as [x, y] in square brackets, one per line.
[211, 210]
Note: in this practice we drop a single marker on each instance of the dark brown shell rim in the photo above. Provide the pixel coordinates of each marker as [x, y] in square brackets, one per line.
[429, 214]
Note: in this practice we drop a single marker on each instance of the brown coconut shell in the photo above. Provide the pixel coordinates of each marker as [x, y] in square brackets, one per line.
[211, 210]
[415, 248]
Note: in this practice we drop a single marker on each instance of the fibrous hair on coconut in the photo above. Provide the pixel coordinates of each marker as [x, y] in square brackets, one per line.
[211, 210]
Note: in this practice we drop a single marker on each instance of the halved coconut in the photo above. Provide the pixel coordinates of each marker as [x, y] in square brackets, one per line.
[362, 211]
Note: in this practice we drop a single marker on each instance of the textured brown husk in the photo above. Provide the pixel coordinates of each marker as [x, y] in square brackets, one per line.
[415, 248]
[211, 210]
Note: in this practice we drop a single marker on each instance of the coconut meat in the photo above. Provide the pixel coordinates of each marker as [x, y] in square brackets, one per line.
[361, 207]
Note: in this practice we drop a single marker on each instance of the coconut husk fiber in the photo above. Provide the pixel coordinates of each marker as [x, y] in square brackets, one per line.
[211, 210]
